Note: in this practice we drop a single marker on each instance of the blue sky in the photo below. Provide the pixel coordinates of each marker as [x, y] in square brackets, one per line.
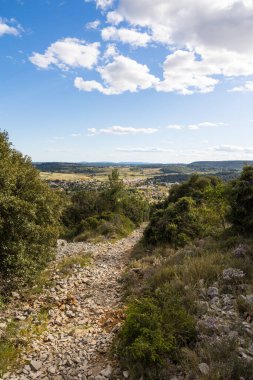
[105, 80]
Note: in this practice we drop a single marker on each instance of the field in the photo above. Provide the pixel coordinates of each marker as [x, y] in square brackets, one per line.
[136, 173]
[48, 176]
[101, 174]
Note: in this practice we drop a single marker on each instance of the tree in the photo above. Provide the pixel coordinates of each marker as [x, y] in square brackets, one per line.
[241, 202]
[115, 190]
[195, 188]
[193, 209]
[29, 216]
[113, 210]
[178, 224]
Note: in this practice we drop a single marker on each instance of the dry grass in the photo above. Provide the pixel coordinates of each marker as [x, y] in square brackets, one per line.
[64, 177]
[125, 173]
[187, 271]
[18, 335]
[66, 265]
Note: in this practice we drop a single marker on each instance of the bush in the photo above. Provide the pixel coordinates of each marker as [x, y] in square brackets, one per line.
[111, 212]
[195, 188]
[241, 201]
[29, 217]
[155, 328]
[177, 225]
[224, 361]
[109, 225]
[194, 209]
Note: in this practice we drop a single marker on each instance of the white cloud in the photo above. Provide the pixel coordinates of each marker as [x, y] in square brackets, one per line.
[88, 85]
[175, 126]
[119, 130]
[247, 87]
[66, 53]
[209, 39]
[126, 36]
[185, 73]
[93, 24]
[111, 51]
[204, 124]
[114, 18]
[121, 75]
[217, 24]
[76, 135]
[232, 148]
[143, 150]
[5, 28]
[193, 127]
[103, 4]
[210, 124]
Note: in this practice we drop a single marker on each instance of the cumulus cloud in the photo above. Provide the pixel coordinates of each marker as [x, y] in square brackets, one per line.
[7, 28]
[111, 51]
[126, 36]
[121, 75]
[114, 18]
[103, 4]
[247, 87]
[206, 41]
[184, 73]
[217, 24]
[209, 39]
[119, 130]
[66, 53]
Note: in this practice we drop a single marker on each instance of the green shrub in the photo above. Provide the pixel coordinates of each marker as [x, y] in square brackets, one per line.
[195, 188]
[241, 201]
[155, 328]
[177, 225]
[194, 209]
[29, 217]
[108, 225]
[112, 212]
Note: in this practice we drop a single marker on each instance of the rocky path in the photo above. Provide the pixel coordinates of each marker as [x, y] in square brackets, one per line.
[84, 314]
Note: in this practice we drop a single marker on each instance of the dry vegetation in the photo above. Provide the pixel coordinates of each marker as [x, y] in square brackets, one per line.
[102, 175]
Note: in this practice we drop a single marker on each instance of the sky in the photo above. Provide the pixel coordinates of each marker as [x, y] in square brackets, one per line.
[125, 80]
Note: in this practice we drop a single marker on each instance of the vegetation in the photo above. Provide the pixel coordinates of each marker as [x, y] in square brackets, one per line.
[112, 212]
[194, 209]
[241, 200]
[29, 217]
[199, 237]
[18, 335]
[155, 326]
[189, 246]
[66, 265]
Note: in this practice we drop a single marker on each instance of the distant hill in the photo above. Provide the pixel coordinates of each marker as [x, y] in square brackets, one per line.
[179, 168]
[226, 165]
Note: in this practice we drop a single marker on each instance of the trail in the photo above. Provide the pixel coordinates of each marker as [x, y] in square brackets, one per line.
[85, 313]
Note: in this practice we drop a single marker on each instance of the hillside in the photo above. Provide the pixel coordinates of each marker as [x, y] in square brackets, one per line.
[98, 167]
[142, 284]
[219, 165]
